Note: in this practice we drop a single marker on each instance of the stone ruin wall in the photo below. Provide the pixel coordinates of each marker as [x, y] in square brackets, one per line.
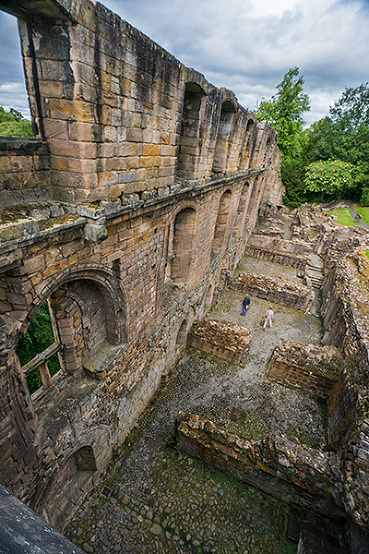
[344, 310]
[136, 196]
[274, 289]
[307, 367]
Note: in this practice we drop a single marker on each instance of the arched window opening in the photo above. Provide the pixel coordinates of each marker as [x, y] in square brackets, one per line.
[253, 206]
[221, 222]
[15, 118]
[38, 350]
[245, 192]
[208, 299]
[182, 243]
[190, 141]
[85, 459]
[182, 335]
[226, 123]
[247, 150]
[86, 319]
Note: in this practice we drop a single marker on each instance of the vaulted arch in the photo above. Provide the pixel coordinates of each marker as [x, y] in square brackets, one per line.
[190, 141]
[226, 123]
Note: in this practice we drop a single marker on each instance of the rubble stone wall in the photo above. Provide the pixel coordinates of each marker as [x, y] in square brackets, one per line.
[285, 252]
[344, 308]
[307, 367]
[227, 341]
[277, 465]
[274, 289]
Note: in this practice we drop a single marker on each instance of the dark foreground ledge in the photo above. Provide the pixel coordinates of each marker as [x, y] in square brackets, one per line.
[24, 531]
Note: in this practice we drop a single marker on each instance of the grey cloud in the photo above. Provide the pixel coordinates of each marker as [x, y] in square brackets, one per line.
[236, 46]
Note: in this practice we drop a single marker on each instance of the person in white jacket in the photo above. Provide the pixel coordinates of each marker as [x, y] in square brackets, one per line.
[269, 317]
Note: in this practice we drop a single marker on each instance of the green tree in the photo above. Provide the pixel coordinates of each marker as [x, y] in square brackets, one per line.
[13, 124]
[352, 109]
[344, 135]
[284, 111]
[330, 179]
[37, 338]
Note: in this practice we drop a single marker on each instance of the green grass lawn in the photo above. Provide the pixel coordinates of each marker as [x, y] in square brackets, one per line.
[344, 217]
[363, 213]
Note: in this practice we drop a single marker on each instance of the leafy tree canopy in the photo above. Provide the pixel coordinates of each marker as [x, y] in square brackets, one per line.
[330, 179]
[13, 124]
[352, 110]
[284, 110]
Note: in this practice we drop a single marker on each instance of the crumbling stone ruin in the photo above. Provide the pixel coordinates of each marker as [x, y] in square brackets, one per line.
[124, 212]
[128, 213]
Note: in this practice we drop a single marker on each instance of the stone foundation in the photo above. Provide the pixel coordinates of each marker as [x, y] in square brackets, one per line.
[285, 252]
[225, 340]
[277, 465]
[306, 367]
[274, 289]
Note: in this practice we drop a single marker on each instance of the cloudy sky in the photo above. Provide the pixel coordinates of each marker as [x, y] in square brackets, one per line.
[244, 45]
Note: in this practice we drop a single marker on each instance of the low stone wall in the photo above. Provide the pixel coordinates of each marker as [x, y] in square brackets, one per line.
[307, 367]
[280, 466]
[225, 340]
[280, 251]
[274, 289]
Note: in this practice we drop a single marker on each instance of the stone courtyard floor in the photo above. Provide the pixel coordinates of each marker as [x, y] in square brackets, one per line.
[156, 500]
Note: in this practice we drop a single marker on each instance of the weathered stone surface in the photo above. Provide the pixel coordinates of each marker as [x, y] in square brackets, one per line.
[278, 465]
[274, 289]
[228, 341]
[308, 367]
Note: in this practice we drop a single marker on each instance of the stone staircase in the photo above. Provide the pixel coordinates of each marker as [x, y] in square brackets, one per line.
[314, 271]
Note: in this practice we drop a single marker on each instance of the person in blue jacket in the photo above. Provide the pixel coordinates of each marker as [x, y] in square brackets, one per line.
[245, 305]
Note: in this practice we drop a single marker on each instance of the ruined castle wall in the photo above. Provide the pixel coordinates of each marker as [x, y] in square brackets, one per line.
[118, 111]
[309, 368]
[275, 289]
[344, 307]
[148, 181]
[284, 252]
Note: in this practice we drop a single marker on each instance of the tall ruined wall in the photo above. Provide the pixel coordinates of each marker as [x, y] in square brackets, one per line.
[125, 212]
[344, 309]
[121, 115]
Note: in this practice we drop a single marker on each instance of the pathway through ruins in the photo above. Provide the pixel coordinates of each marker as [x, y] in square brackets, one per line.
[156, 500]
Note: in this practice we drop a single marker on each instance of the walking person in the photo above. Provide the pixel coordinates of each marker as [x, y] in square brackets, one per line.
[245, 305]
[269, 317]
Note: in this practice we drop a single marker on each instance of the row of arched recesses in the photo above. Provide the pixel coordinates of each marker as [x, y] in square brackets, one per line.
[182, 233]
[88, 308]
[192, 133]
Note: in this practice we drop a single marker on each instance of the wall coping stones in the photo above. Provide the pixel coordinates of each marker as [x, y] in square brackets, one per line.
[22, 227]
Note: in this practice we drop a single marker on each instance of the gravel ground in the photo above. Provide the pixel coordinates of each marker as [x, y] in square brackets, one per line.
[156, 500]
